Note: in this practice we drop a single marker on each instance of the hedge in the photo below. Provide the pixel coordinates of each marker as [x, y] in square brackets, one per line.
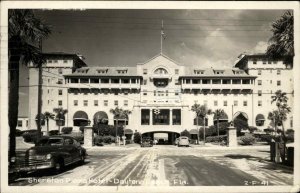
[99, 140]
[30, 137]
[216, 138]
[247, 140]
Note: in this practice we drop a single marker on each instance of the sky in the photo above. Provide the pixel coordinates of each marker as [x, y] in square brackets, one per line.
[203, 38]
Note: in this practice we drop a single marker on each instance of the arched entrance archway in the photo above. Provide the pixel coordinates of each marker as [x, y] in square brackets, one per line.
[100, 117]
[163, 137]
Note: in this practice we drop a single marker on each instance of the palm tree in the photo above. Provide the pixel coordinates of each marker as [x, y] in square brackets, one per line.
[281, 99]
[23, 30]
[119, 113]
[60, 117]
[274, 117]
[201, 111]
[48, 116]
[282, 40]
[219, 113]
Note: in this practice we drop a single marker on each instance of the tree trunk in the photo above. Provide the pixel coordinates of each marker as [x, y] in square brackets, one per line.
[13, 99]
[47, 127]
[198, 140]
[204, 131]
[218, 128]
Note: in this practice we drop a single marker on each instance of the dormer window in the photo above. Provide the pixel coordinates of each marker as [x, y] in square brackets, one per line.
[198, 71]
[219, 72]
[102, 71]
[83, 70]
[122, 71]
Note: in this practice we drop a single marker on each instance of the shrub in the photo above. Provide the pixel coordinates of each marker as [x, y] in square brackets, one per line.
[252, 129]
[98, 140]
[81, 129]
[137, 137]
[216, 138]
[185, 133]
[66, 130]
[53, 132]
[247, 140]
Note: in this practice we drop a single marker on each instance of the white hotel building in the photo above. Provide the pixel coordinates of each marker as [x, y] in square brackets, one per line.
[159, 85]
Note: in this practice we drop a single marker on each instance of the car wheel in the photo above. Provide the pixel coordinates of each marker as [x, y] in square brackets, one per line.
[58, 166]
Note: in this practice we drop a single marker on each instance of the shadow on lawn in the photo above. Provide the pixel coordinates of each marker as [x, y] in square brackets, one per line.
[242, 156]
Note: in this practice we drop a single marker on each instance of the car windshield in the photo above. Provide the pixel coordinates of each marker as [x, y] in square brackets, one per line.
[50, 142]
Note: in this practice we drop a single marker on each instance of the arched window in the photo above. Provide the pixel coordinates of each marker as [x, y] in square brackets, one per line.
[160, 71]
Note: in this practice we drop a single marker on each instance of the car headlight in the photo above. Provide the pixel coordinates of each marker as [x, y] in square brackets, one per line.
[48, 156]
[13, 159]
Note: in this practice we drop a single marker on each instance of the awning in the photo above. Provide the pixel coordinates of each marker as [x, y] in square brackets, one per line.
[223, 117]
[193, 132]
[100, 116]
[128, 131]
[80, 115]
[260, 117]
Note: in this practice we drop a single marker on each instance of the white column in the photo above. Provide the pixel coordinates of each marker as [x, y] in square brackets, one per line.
[150, 117]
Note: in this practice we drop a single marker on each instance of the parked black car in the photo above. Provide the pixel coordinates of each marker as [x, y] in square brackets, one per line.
[146, 142]
[53, 152]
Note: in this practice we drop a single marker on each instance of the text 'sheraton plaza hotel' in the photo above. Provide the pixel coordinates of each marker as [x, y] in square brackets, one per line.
[159, 92]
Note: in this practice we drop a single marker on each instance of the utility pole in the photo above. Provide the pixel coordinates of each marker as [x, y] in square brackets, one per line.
[39, 128]
[161, 36]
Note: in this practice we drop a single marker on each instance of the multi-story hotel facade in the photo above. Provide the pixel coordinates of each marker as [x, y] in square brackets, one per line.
[159, 92]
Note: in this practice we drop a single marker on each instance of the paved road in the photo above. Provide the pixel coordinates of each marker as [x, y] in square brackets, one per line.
[167, 166]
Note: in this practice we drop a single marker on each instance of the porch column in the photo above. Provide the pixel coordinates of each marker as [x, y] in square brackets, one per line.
[150, 118]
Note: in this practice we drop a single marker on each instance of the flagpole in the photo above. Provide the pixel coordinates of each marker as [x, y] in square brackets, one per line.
[161, 36]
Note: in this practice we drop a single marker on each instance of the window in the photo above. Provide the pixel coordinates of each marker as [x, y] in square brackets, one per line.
[188, 81]
[145, 117]
[269, 62]
[259, 72]
[60, 71]
[54, 61]
[95, 102]
[49, 61]
[125, 103]
[65, 61]
[59, 92]
[75, 102]
[20, 123]
[60, 81]
[176, 116]
[259, 103]
[278, 72]
[85, 103]
[116, 103]
[215, 103]
[254, 62]
[259, 92]
[264, 62]
[225, 103]
[105, 103]
[160, 71]
[162, 117]
[235, 103]
[144, 92]
[133, 81]
[259, 82]
[176, 71]
[145, 71]
[278, 82]
[144, 82]
[60, 103]
[245, 103]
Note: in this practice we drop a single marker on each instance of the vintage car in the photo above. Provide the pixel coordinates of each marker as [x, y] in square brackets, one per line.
[146, 142]
[53, 152]
[183, 141]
